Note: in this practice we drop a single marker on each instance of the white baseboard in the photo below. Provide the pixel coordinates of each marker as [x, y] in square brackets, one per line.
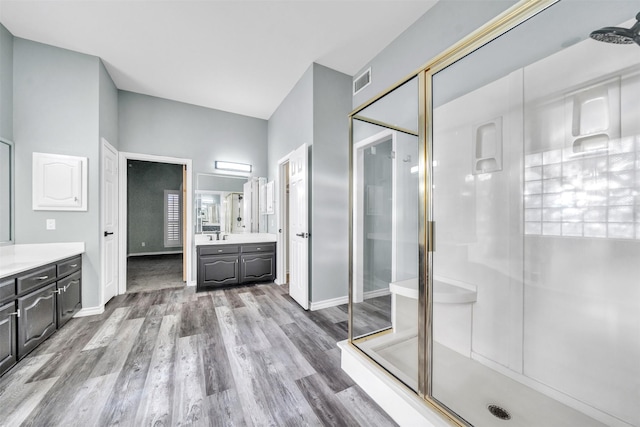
[319, 305]
[154, 253]
[90, 311]
[379, 293]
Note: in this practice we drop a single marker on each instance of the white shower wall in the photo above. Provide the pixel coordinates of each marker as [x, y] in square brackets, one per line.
[582, 293]
[478, 228]
[551, 240]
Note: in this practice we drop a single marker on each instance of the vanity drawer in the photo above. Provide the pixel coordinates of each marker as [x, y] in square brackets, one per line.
[36, 279]
[259, 247]
[218, 249]
[7, 290]
[69, 266]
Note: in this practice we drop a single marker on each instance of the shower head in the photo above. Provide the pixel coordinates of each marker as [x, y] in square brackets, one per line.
[618, 35]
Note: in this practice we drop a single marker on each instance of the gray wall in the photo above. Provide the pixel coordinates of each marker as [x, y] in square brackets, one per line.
[439, 28]
[6, 84]
[108, 104]
[157, 126]
[146, 182]
[290, 126]
[56, 111]
[330, 180]
[315, 112]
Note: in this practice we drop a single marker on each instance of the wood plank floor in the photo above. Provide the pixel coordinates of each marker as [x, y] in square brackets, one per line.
[248, 356]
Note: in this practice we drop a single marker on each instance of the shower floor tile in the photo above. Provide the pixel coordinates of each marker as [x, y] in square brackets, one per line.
[469, 387]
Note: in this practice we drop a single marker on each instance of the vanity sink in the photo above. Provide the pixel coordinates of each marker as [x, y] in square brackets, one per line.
[211, 239]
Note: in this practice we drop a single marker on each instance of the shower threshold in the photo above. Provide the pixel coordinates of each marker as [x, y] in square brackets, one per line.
[469, 387]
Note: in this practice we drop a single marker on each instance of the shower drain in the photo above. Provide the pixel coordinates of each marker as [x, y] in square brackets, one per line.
[499, 412]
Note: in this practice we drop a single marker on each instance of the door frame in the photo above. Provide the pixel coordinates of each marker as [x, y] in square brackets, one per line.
[282, 215]
[106, 145]
[300, 154]
[122, 215]
[358, 208]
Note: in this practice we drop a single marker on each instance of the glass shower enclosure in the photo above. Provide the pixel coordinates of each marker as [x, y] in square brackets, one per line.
[385, 232]
[496, 222]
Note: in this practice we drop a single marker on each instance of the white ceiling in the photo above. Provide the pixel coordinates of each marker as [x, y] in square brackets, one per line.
[239, 56]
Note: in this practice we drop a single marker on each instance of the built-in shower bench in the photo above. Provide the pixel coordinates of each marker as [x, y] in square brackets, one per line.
[452, 310]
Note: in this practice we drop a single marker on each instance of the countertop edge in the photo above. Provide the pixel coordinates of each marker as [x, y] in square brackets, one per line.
[16, 259]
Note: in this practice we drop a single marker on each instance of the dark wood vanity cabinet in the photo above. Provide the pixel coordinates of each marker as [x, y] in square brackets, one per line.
[37, 320]
[34, 304]
[68, 297]
[228, 265]
[258, 263]
[8, 338]
[218, 270]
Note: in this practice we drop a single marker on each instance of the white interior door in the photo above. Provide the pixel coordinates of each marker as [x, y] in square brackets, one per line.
[109, 221]
[282, 256]
[298, 228]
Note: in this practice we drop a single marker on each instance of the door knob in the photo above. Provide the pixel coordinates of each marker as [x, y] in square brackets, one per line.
[106, 233]
[303, 235]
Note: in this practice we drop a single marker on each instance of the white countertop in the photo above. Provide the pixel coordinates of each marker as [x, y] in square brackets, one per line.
[203, 239]
[18, 258]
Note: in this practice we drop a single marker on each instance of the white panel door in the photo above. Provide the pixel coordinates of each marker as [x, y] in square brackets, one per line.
[109, 222]
[298, 228]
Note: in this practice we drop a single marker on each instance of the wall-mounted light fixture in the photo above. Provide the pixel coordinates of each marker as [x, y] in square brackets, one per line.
[235, 167]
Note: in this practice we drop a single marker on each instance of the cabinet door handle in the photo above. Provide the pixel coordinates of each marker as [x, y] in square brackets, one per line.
[43, 277]
[17, 314]
[57, 291]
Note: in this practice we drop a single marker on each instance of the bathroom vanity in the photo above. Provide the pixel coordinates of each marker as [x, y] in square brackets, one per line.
[239, 259]
[40, 290]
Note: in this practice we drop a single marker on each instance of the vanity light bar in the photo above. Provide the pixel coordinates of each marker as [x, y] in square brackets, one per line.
[236, 167]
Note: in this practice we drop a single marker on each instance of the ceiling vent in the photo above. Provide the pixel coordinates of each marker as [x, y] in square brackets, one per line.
[362, 81]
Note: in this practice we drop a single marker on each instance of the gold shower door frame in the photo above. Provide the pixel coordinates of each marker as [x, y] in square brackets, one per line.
[511, 18]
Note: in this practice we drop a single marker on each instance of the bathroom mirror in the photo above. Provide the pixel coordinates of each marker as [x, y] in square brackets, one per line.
[6, 192]
[219, 211]
[212, 193]
[230, 204]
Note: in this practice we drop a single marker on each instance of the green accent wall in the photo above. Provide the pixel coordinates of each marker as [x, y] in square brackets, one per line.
[146, 182]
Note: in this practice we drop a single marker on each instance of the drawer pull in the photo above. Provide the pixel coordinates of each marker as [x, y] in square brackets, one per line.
[73, 282]
[258, 249]
[219, 250]
[43, 277]
[17, 314]
[73, 265]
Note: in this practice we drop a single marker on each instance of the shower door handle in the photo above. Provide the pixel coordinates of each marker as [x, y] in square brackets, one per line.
[431, 236]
